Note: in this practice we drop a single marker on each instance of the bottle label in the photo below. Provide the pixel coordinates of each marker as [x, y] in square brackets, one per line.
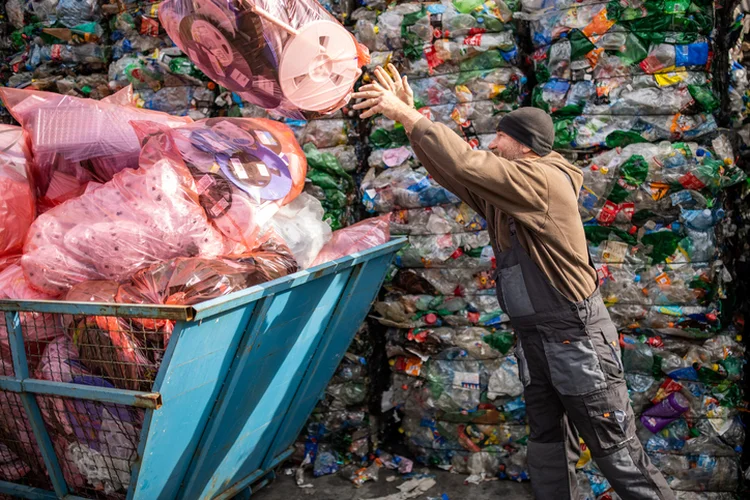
[690, 181]
[432, 57]
[658, 190]
[56, 52]
[613, 252]
[608, 213]
[467, 380]
[474, 40]
[587, 198]
[628, 209]
[149, 26]
[598, 26]
[604, 274]
[663, 280]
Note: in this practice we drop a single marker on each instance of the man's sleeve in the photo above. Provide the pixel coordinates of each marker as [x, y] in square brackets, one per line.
[481, 177]
[476, 203]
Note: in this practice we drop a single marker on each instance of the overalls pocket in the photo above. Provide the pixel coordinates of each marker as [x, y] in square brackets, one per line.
[523, 367]
[610, 416]
[606, 343]
[573, 362]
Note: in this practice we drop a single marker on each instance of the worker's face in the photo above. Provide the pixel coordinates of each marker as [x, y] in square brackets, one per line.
[506, 147]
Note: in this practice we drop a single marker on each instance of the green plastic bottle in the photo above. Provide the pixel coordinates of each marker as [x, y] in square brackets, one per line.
[565, 133]
[633, 51]
[500, 341]
[662, 243]
[580, 45]
[467, 6]
[708, 375]
[633, 172]
[704, 97]
[326, 162]
[622, 138]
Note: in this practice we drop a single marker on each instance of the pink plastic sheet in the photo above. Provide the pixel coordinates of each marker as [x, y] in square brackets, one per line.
[356, 238]
[74, 140]
[297, 60]
[139, 218]
[17, 207]
[244, 170]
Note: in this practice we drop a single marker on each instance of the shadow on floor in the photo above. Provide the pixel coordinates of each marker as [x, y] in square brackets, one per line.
[338, 487]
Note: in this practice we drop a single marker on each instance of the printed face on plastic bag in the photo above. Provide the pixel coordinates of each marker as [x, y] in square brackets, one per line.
[244, 170]
[291, 56]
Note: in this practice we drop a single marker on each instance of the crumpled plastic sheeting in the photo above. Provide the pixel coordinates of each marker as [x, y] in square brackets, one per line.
[17, 204]
[75, 140]
[359, 237]
[300, 224]
[139, 218]
[193, 280]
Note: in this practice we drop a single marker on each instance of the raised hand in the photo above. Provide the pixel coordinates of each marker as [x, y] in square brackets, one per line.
[395, 83]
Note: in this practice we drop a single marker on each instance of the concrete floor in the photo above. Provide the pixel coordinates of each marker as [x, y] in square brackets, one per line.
[338, 487]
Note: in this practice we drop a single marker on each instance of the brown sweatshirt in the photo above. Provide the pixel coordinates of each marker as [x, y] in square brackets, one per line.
[535, 191]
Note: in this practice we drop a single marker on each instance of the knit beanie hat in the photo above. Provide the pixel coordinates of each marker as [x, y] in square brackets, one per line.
[532, 127]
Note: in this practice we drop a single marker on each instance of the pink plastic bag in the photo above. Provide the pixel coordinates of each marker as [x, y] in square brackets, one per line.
[356, 238]
[84, 427]
[12, 468]
[37, 328]
[193, 280]
[19, 441]
[17, 210]
[74, 140]
[244, 170]
[140, 217]
[290, 56]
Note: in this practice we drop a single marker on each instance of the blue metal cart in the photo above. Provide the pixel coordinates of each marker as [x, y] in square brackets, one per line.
[231, 391]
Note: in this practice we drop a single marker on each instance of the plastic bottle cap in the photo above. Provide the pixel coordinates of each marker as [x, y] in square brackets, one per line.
[605, 170]
[430, 319]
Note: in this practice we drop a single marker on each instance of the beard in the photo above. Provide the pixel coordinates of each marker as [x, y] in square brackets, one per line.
[511, 152]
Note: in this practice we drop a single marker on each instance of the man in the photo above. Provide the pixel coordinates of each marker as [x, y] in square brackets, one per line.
[567, 347]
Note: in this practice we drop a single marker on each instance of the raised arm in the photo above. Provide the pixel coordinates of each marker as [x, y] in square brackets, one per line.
[480, 178]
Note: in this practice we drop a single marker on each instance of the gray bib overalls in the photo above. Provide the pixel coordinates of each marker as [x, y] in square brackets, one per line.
[569, 362]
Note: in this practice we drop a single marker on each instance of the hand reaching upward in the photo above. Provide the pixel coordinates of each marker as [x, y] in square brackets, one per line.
[389, 95]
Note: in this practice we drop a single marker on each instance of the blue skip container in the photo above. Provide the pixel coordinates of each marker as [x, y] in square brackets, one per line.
[221, 409]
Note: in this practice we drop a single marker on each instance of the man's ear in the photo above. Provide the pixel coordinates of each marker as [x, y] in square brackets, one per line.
[526, 150]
